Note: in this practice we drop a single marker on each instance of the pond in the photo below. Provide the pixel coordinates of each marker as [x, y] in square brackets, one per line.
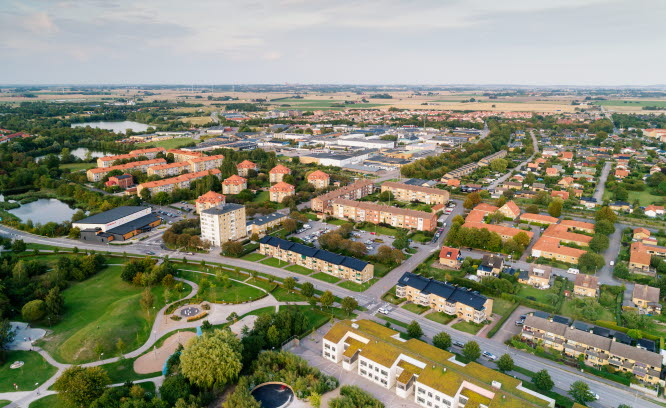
[118, 127]
[79, 152]
[273, 395]
[44, 210]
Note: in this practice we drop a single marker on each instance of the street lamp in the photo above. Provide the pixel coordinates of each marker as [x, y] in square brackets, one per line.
[37, 385]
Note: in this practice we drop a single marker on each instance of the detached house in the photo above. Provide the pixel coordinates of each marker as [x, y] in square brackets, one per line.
[450, 257]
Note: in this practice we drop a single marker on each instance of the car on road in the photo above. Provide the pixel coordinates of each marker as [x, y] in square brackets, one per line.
[520, 322]
[490, 356]
[595, 395]
[150, 253]
[459, 344]
[573, 271]
[383, 311]
[612, 263]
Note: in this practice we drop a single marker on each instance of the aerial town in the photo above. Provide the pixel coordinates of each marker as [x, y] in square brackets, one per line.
[199, 212]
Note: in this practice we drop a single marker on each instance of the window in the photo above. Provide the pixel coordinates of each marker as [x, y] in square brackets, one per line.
[421, 400]
[430, 394]
[384, 372]
[327, 346]
[363, 363]
[363, 372]
[421, 391]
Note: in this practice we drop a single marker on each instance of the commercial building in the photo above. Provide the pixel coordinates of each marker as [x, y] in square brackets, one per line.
[245, 166]
[170, 184]
[409, 193]
[280, 191]
[598, 351]
[450, 257]
[234, 185]
[209, 200]
[118, 224]
[443, 297]
[359, 211]
[107, 161]
[646, 298]
[319, 179]
[318, 260]
[586, 285]
[355, 191]
[277, 173]
[223, 223]
[261, 225]
[367, 143]
[342, 159]
[421, 372]
[99, 173]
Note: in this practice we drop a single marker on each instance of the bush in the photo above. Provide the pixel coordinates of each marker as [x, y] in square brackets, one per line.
[176, 317]
[197, 317]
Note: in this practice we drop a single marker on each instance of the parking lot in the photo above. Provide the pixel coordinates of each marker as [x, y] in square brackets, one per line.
[318, 228]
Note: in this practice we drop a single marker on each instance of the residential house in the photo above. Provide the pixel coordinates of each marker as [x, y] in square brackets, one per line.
[651, 211]
[537, 276]
[641, 233]
[621, 174]
[264, 223]
[646, 298]
[491, 265]
[510, 210]
[450, 257]
[564, 195]
[586, 285]
[538, 219]
[622, 206]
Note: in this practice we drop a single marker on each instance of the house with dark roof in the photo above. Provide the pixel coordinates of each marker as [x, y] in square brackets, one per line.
[491, 265]
[444, 297]
[264, 223]
[318, 260]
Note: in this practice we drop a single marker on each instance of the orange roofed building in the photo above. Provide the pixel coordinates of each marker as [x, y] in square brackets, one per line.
[280, 191]
[209, 200]
[277, 173]
[234, 185]
[319, 179]
[450, 257]
[245, 166]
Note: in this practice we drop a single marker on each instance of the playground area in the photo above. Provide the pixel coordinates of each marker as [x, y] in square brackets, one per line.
[24, 336]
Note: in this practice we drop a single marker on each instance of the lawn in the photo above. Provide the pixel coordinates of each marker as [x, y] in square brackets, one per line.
[468, 327]
[336, 222]
[77, 166]
[316, 318]
[379, 230]
[123, 370]
[391, 297]
[4, 403]
[274, 262]
[236, 293]
[283, 295]
[170, 143]
[98, 312]
[420, 237]
[299, 269]
[358, 287]
[262, 283]
[393, 321]
[538, 294]
[253, 257]
[440, 317]
[35, 370]
[381, 270]
[326, 277]
[569, 309]
[644, 197]
[50, 401]
[261, 197]
[502, 306]
[414, 308]
[641, 103]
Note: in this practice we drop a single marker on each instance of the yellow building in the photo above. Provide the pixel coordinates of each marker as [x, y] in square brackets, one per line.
[409, 193]
[586, 285]
[223, 223]
[280, 191]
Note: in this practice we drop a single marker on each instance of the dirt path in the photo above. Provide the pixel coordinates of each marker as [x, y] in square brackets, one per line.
[153, 361]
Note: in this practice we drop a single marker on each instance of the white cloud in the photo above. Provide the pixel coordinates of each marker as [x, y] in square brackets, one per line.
[40, 23]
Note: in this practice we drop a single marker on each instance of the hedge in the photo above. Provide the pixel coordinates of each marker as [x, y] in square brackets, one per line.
[197, 317]
[501, 322]
[613, 326]
[530, 303]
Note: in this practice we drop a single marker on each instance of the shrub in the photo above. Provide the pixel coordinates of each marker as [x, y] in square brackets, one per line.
[197, 317]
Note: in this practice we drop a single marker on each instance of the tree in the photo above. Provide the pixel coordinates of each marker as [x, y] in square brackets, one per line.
[505, 363]
[555, 207]
[400, 241]
[471, 351]
[54, 302]
[499, 165]
[289, 283]
[604, 227]
[349, 304]
[6, 333]
[80, 386]
[290, 225]
[532, 209]
[18, 245]
[147, 299]
[34, 310]
[589, 262]
[605, 214]
[414, 330]
[307, 289]
[543, 381]
[442, 340]
[522, 238]
[599, 243]
[241, 397]
[327, 299]
[635, 334]
[232, 248]
[580, 392]
[472, 200]
[213, 359]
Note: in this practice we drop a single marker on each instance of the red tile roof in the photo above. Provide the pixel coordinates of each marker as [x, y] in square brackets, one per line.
[234, 180]
[280, 169]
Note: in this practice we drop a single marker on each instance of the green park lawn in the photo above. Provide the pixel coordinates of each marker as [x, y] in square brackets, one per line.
[644, 197]
[440, 317]
[274, 262]
[283, 295]
[170, 143]
[50, 401]
[123, 370]
[35, 370]
[299, 269]
[326, 277]
[236, 293]
[253, 257]
[98, 312]
[262, 283]
[414, 308]
[358, 287]
[77, 166]
[261, 197]
[467, 327]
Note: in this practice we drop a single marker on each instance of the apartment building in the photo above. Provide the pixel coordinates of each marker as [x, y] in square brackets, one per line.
[209, 200]
[550, 246]
[319, 179]
[597, 350]
[205, 163]
[245, 166]
[318, 260]
[409, 193]
[646, 298]
[261, 225]
[421, 372]
[538, 219]
[107, 161]
[277, 173]
[450, 257]
[169, 169]
[586, 285]
[223, 223]
[355, 191]
[123, 181]
[173, 183]
[99, 173]
[280, 191]
[573, 225]
[359, 211]
[234, 185]
[184, 155]
[443, 297]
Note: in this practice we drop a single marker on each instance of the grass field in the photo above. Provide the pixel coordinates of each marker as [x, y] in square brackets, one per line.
[299, 269]
[393, 321]
[35, 370]
[528, 291]
[274, 262]
[379, 230]
[261, 197]
[283, 295]
[644, 197]
[568, 309]
[358, 287]
[237, 292]
[253, 257]
[4, 403]
[616, 102]
[169, 144]
[123, 370]
[77, 166]
[502, 306]
[326, 277]
[98, 312]
[391, 297]
[319, 104]
[414, 308]
[197, 120]
[50, 401]
[440, 317]
[467, 327]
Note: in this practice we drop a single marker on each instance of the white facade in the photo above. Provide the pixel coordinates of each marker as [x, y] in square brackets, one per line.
[115, 223]
[367, 143]
[219, 228]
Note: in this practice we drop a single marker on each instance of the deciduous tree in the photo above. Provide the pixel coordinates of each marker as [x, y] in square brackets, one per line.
[213, 359]
[80, 386]
[442, 340]
[471, 351]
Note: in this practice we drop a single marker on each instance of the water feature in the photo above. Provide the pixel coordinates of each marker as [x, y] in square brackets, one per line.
[44, 210]
[273, 395]
[79, 152]
[118, 127]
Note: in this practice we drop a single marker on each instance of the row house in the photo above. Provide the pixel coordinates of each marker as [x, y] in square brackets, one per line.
[355, 191]
[409, 193]
[173, 183]
[99, 173]
[359, 211]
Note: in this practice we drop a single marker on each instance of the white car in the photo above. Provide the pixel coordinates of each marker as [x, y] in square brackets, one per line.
[573, 271]
[383, 311]
[612, 263]
[490, 356]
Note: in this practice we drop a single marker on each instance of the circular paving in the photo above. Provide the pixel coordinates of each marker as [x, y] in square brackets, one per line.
[189, 311]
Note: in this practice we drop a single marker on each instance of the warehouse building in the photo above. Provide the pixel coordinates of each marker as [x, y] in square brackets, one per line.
[118, 224]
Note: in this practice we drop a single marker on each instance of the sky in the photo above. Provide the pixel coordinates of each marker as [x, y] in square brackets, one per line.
[525, 42]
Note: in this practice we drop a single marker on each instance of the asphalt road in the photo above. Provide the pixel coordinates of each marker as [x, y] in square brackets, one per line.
[503, 178]
[601, 185]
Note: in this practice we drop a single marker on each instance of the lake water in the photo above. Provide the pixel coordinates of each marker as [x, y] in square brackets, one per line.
[44, 210]
[79, 152]
[118, 127]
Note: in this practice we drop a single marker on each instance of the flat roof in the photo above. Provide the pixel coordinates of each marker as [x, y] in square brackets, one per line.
[134, 224]
[222, 209]
[111, 215]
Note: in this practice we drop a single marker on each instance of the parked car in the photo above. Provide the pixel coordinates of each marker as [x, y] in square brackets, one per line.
[150, 253]
[573, 271]
[459, 344]
[519, 322]
[490, 356]
[612, 263]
